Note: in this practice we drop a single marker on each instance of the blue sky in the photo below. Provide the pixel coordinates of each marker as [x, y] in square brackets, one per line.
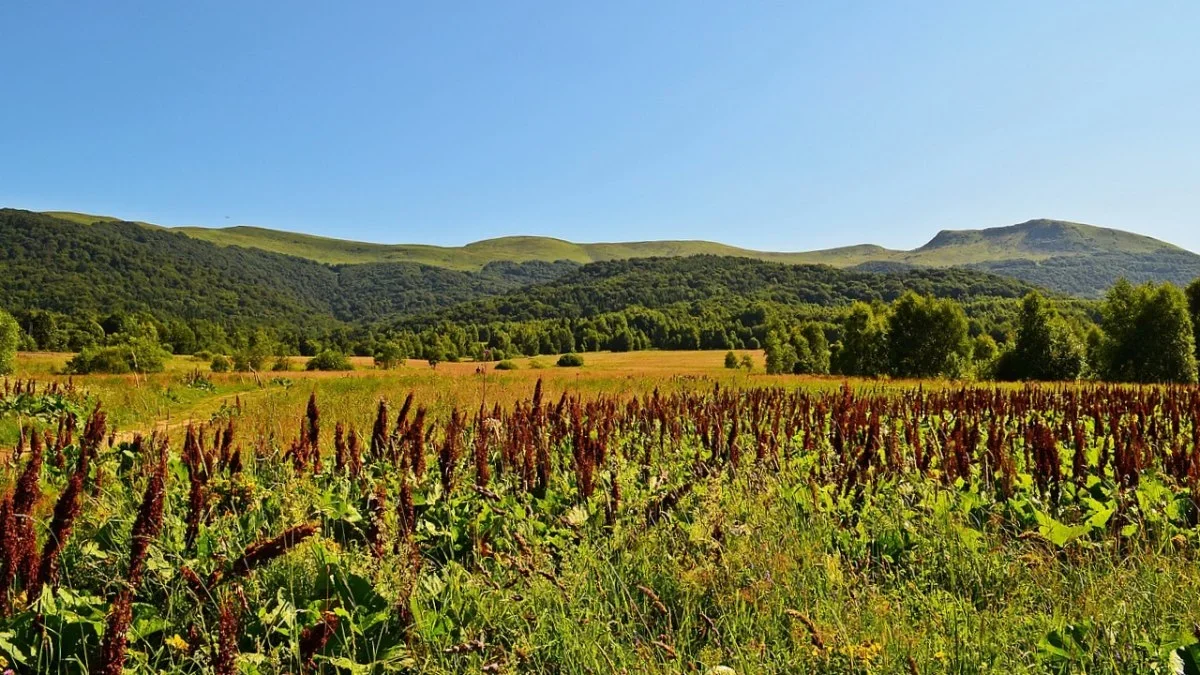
[783, 126]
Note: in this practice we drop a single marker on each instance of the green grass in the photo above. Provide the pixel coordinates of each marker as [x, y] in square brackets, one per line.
[87, 218]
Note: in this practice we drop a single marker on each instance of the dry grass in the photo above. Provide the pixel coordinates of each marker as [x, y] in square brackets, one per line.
[163, 401]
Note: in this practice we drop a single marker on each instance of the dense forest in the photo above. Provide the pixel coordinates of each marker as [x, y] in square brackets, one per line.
[82, 273]
[1091, 276]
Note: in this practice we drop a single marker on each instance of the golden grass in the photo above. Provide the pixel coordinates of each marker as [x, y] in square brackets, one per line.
[274, 400]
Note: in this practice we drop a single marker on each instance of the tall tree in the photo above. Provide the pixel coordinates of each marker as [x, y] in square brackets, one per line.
[1046, 348]
[1193, 296]
[814, 359]
[781, 355]
[1149, 335]
[927, 337]
[862, 349]
[9, 335]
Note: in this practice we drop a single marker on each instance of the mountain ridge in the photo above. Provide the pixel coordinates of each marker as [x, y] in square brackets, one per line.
[1052, 253]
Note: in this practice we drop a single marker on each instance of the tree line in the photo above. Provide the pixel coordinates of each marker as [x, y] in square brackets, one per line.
[1137, 333]
[1145, 333]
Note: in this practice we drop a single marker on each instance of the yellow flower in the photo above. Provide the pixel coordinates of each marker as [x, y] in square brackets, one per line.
[177, 643]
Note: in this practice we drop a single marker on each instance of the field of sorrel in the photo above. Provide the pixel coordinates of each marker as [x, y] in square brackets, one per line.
[548, 525]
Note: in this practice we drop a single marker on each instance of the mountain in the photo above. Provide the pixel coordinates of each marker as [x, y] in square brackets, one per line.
[1074, 258]
[85, 272]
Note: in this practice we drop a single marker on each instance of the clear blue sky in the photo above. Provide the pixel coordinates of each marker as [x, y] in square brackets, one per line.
[788, 125]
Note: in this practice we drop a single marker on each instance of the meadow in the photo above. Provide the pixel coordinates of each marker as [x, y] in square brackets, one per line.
[650, 512]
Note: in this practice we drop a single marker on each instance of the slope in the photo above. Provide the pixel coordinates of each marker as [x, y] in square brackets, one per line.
[61, 266]
[1068, 257]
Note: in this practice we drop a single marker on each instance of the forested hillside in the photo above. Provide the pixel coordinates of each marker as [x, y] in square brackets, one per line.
[660, 282]
[60, 266]
[70, 283]
[1065, 257]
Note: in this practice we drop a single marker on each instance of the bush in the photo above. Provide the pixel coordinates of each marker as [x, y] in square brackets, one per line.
[731, 360]
[221, 364]
[329, 360]
[110, 360]
[9, 335]
[282, 363]
[203, 355]
[570, 361]
[537, 364]
[248, 359]
[389, 355]
[137, 355]
[506, 365]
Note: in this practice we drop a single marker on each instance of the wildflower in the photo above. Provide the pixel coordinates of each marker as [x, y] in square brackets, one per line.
[178, 644]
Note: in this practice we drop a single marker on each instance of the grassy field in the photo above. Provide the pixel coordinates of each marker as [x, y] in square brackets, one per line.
[667, 516]
[165, 400]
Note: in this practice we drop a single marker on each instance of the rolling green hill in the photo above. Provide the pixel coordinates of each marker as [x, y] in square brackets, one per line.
[1072, 258]
[64, 279]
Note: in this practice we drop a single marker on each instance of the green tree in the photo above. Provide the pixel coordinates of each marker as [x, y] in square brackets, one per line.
[389, 355]
[9, 336]
[812, 350]
[731, 360]
[1193, 296]
[1046, 347]
[984, 348]
[1149, 335]
[781, 355]
[927, 337]
[862, 349]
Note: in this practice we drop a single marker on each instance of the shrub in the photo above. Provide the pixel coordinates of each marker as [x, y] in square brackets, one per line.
[731, 360]
[221, 364]
[506, 365]
[9, 334]
[203, 355]
[329, 360]
[747, 363]
[138, 355]
[537, 364]
[389, 355]
[282, 363]
[248, 359]
[570, 361]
